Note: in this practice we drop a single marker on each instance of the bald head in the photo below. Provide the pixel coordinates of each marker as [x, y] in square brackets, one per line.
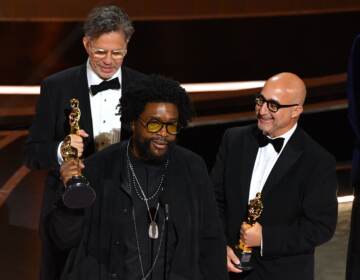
[280, 104]
[289, 84]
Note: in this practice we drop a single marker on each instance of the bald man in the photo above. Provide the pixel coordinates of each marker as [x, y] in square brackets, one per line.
[297, 181]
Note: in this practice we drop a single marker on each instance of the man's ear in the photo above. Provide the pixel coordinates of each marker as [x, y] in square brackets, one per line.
[297, 111]
[86, 43]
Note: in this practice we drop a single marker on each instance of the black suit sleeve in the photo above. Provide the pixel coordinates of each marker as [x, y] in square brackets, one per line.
[65, 227]
[41, 145]
[317, 221]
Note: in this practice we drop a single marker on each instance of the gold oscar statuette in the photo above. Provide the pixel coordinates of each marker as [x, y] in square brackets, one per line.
[78, 192]
[255, 209]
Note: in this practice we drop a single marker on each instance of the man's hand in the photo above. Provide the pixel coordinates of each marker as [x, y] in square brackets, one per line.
[251, 235]
[231, 260]
[70, 168]
[77, 141]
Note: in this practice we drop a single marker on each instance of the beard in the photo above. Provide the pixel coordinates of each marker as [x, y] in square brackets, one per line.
[144, 151]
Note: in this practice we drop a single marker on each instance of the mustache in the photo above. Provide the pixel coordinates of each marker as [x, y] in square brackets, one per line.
[160, 139]
[259, 116]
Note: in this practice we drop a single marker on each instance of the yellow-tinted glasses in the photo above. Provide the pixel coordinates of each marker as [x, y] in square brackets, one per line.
[154, 125]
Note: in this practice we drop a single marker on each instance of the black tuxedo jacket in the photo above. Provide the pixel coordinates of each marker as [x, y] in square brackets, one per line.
[49, 128]
[299, 198]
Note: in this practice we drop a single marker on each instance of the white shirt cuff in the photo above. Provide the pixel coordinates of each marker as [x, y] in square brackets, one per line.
[59, 157]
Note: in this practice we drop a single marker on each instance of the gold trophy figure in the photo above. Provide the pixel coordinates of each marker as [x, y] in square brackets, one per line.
[255, 209]
[78, 192]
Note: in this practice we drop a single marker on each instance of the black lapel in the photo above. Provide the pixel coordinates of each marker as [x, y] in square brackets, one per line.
[291, 153]
[243, 154]
[81, 92]
[251, 147]
[126, 81]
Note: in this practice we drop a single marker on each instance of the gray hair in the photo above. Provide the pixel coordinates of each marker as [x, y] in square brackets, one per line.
[106, 19]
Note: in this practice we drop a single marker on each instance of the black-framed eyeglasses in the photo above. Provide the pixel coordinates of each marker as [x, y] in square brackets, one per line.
[272, 105]
[154, 126]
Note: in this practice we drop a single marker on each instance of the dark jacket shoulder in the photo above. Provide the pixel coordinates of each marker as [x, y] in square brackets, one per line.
[187, 156]
[312, 147]
[234, 135]
[133, 73]
[67, 74]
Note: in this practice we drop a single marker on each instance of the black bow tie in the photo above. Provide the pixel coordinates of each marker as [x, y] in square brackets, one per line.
[105, 85]
[277, 142]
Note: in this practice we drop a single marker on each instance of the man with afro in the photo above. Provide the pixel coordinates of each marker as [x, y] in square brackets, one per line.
[155, 215]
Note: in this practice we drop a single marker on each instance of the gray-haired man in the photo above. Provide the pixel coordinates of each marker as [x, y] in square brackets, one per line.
[98, 85]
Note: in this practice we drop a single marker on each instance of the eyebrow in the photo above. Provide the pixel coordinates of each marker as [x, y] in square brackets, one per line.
[158, 119]
[272, 100]
[106, 50]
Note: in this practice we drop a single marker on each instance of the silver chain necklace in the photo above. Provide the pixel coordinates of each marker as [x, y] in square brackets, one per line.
[137, 183]
[153, 227]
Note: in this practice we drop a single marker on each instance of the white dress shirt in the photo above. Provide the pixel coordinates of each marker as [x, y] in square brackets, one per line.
[106, 122]
[265, 160]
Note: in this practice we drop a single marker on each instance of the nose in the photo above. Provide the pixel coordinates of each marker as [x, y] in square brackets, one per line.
[263, 108]
[163, 131]
[107, 59]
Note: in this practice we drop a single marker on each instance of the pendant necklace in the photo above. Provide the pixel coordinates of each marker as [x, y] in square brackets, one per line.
[148, 273]
[153, 230]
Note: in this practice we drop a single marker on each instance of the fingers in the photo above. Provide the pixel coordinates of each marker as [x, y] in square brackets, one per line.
[243, 231]
[251, 235]
[81, 164]
[70, 169]
[82, 133]
[77, 143]
[244, 227]
[231, 260]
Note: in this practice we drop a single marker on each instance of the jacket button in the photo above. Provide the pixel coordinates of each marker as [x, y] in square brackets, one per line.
[114, 275]
[117, 242]
[125, 210]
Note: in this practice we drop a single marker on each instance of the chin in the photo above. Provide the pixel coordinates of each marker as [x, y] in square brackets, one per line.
[106, 76]
[261, 127]
[264, 131]
[155, 156]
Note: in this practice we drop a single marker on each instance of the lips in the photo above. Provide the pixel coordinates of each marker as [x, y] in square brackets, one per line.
[107, 70]
[159, 144]
[264, 118]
